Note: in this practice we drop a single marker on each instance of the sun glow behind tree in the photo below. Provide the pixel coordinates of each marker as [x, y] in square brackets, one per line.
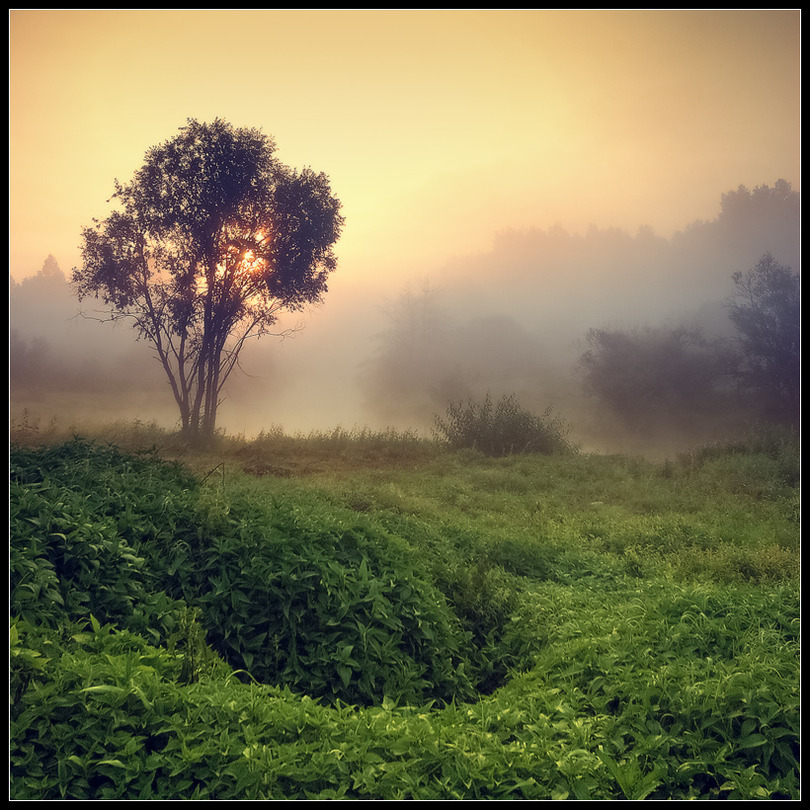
[214, 239]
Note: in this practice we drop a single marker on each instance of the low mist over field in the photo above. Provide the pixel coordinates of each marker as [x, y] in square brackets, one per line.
[509, 180]
[508, 321]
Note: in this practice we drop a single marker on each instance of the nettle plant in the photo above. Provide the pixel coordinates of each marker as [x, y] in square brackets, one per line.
[294, 598]
[85, 521]
[282, 591]
[357, 647]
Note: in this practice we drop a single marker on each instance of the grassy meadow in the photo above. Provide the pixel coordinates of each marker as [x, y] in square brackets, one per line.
[374, 615]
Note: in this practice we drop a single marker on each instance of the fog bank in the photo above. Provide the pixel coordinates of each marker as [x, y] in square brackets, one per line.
[391, 352]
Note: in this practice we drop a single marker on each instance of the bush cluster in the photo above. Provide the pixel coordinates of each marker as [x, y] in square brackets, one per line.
[502, 428]
[326, 608]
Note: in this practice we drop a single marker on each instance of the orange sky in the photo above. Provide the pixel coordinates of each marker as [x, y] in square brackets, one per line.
[437, 128]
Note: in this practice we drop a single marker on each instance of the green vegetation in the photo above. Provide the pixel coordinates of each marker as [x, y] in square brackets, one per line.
[503, 428]
[377, 616]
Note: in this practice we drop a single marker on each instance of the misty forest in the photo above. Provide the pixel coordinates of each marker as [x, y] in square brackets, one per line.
[522, 525]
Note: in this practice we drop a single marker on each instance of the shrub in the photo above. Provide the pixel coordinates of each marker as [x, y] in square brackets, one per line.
[503, 428]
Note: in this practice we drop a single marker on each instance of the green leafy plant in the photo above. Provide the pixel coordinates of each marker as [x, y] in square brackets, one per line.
[86, 520]
[189, 642]
[453, 627]
[69, 557]
[323, 607]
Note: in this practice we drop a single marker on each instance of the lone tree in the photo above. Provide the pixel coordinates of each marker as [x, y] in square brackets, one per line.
[765, 311]
[214, 237]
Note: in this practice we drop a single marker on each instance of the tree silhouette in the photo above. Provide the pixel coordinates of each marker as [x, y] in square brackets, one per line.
[765, 311]
[214, 238]
[650, 377]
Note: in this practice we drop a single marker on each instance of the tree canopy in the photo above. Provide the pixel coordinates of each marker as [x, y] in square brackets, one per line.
[766, 311]
[651, 375]
[213, 238]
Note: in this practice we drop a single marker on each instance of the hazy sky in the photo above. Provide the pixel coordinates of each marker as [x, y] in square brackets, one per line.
[437, 128]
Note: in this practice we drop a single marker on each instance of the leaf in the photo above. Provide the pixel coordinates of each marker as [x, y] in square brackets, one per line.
[751, 741]
[116, 763]
[345, 674]
[633, 785]
[104, 688]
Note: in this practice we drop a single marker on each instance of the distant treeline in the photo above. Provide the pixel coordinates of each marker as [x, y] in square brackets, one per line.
[621, 333]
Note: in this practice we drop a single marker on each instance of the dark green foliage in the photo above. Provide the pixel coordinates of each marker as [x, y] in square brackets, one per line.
[69, 560]
[502, 428]
[297, 598]
[652, 691]
[484, 601]
[622, 622]
[287, 594]
[82, 516]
